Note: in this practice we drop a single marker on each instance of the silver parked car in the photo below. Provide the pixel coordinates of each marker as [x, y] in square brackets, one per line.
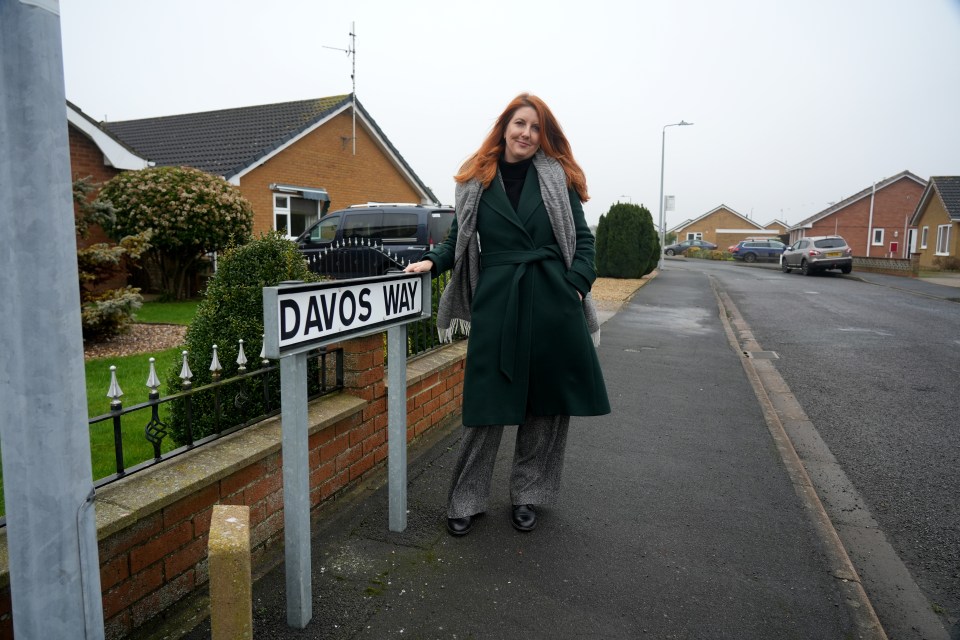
[817, 253]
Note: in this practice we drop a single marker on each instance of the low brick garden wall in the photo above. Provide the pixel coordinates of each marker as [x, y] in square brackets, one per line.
[153, 527]
[890, 266]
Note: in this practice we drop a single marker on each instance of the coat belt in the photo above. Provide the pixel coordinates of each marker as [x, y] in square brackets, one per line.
[511, 316]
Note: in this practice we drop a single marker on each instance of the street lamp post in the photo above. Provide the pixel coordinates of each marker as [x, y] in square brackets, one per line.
[663, 146]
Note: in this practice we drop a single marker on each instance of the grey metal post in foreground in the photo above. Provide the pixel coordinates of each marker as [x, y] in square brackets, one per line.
[296, 488]
[663, 147]
[397, 426]
[48, 487]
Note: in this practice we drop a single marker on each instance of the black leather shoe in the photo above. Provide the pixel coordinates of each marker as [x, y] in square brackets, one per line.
[459, 526]
[524, 517]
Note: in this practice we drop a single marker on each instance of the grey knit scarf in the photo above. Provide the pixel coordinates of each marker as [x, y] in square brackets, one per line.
[453, 312]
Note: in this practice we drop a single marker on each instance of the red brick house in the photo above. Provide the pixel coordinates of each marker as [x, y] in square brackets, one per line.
[937, 218]
[292, 161]
[98, 155]
[875, 222]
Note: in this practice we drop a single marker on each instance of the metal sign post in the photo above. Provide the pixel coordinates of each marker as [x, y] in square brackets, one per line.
[298, 318]
[48, 481]
[397, 426]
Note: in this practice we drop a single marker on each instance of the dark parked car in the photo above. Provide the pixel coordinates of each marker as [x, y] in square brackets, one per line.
[754, 250]
[818, 253]
[686, 245]
[370, 239]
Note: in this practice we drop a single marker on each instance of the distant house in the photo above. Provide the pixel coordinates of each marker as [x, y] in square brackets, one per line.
[875, 222]
[293, 161]
[777, 225]
[937, 217]
[725, 227]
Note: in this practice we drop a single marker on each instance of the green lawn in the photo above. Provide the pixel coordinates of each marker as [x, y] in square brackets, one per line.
[168, 312]
[132, 373]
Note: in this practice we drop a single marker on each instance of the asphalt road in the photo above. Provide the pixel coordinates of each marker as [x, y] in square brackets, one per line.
[877, 371]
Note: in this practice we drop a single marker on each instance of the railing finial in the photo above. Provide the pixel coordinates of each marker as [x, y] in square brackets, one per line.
[185, 373]
[263, 350]
[114, 392]
[241, 358]
[153, 382]
[215, 367]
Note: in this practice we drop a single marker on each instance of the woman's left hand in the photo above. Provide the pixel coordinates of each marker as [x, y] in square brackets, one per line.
[419, 267]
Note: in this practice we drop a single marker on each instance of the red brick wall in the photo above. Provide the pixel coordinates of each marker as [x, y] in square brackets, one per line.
[325, 159]
[86, 160]
[892, 205]
[150, 565]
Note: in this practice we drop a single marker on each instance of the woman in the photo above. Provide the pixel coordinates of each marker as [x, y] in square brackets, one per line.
[531, 359]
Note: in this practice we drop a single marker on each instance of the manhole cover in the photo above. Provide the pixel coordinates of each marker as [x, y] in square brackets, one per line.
[762, 355]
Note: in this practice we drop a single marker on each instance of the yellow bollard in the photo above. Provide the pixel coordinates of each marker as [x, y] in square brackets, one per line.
[231, 590]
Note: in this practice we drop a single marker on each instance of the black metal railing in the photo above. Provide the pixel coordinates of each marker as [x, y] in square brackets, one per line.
[357, 259]
[197, 415]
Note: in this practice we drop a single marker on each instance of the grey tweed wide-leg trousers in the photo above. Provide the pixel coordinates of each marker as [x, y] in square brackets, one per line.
[537, 464]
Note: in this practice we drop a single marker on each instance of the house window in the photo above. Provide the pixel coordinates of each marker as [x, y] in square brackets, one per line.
[878, 237]
[694, 235]
[943, 240]
[281, 213]
[923, 237]
[294, 215]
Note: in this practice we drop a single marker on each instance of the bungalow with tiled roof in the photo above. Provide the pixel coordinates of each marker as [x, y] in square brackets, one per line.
[723, 227]
[292, 161]
[777, 225]
[937, 218]
[875, 222]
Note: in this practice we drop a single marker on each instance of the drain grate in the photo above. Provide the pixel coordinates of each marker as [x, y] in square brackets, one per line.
[762, 355]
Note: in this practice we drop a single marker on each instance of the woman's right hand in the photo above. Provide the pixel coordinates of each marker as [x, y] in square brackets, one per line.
[419, 267]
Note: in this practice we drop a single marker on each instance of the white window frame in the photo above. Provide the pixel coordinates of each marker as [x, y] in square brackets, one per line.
[281, 211]
[287, 212]
[943, 240]
[924, 236]
[878, 237]
[694, 235]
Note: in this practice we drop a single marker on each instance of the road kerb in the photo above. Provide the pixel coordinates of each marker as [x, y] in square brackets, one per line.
[855, 597]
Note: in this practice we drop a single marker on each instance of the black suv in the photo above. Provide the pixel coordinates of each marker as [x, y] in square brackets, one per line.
[370, 239]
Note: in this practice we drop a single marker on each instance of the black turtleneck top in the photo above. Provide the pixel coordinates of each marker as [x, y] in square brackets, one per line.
[514, 174]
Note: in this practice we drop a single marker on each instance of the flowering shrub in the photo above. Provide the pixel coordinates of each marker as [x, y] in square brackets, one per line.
[188, 212]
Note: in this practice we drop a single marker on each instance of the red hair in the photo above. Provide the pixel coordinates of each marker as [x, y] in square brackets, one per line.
[482, 165]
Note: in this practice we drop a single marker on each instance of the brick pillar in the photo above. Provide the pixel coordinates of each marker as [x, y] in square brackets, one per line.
[363, 366]
[231, 590]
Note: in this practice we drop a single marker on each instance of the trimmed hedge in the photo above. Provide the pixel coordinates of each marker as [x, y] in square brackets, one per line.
[627, 244]
[231, 310]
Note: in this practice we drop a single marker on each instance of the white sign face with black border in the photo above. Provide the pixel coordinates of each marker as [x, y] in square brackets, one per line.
[298, 317]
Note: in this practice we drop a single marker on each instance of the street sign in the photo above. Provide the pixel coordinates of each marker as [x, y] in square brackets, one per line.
[298, 317]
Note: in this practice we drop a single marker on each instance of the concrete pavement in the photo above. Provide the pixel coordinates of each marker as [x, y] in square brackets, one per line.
[678, 518]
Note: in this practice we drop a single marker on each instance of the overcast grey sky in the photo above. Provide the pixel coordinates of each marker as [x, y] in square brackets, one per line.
[795, 105]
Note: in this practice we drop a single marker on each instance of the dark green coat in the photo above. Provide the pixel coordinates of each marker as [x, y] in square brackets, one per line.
[529, 346]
